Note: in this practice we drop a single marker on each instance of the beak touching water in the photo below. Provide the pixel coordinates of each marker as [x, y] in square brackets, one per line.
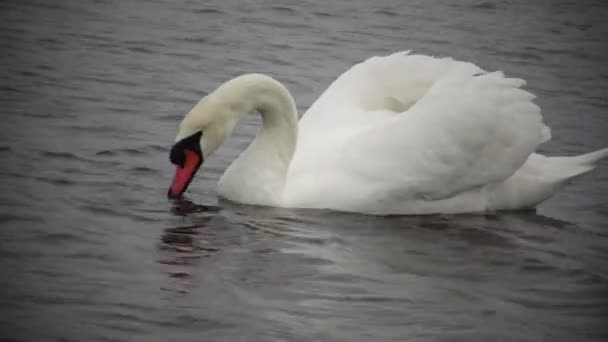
[187, 156]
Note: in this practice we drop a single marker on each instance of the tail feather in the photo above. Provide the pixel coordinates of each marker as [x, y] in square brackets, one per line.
[571, 167]
[539, 178]
[592, 158]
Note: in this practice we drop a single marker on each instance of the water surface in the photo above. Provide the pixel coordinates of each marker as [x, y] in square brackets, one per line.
[91, 250]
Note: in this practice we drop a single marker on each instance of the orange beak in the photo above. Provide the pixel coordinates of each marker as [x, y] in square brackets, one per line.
[184, 174]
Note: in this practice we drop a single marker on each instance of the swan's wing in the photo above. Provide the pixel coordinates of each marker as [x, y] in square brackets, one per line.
[367, 94]
[468, 130]
[377, 86]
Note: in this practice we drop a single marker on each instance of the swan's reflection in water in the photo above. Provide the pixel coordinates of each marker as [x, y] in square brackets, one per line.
[205, 229]
[184, 207]
[183, 245]
[294, 269]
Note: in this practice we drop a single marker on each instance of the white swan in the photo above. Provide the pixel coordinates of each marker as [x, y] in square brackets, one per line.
[400, 134]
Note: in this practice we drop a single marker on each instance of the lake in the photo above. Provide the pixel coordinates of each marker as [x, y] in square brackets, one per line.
[92, 250]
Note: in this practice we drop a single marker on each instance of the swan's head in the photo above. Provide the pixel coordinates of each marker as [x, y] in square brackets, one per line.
[200, 133]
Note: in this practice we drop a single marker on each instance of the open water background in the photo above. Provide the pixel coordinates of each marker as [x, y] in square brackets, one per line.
[91, 250]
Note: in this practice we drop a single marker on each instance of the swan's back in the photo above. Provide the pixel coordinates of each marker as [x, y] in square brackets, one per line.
[404, 129]
[388, 84]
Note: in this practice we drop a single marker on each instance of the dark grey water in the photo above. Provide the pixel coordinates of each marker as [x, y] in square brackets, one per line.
[91, 250]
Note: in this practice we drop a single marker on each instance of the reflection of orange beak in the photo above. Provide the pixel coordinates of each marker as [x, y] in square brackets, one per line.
[184, 174]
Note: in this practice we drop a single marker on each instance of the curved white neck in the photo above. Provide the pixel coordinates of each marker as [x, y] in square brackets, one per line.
[258, 175]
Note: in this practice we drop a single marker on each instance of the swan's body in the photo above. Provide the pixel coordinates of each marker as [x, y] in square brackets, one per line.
[401, 134]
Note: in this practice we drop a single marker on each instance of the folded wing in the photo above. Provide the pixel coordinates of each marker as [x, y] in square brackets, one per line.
[468, 129]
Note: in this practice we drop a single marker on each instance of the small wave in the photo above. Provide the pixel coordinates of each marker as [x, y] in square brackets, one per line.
[277, 61]
[182, 255]
[29, 73]
[10, 217]
[120, 325]
[105, 153]
[122, 151]
[324, 14]
[56, 181]
[105, 163]
[484, 5]
[466, 28]
[157, 148]
[88, 255]
[121, 110]
[140, 49]
[283, 9]
[197, 40]
[144, 170]
[8, 88]
[45, 115]
[180, 275]
[280, 46]
[59, 237]
[587, 278]
[93, 129]
[536, 265]
[387, 12]
[171, 118]
[86, 98]
[61, 155]
[134, 151]
[107, 80]
[181, 55]
[97, 209]
[207, 11]
[191, 230]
